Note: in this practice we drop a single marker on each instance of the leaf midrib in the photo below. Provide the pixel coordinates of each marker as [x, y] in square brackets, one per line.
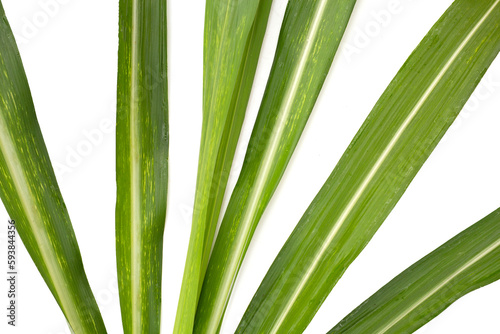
[136, 175]
[283, 114]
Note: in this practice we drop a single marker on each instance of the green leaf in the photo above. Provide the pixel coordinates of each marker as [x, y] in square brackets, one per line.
[309, 39]
[233, 40]
[141, 161]
[465, 263]
[29, 191]
[393, 143]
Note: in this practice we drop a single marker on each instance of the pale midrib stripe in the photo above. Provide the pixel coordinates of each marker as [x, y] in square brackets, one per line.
[36, 222]
[277, 134]
[135, 171]
[345, 213]
[443, 283]
[283, 114]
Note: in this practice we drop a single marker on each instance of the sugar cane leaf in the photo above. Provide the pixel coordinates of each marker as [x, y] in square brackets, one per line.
[465, 263]
[31, 195]
[142, 161]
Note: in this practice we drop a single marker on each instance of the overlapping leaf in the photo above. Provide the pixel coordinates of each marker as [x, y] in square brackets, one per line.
[309, 38]
[234, 31]
[397, 137]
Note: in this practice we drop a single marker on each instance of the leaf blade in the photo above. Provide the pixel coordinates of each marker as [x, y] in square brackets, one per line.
[29, 191]
[465, 263]
[142, 161]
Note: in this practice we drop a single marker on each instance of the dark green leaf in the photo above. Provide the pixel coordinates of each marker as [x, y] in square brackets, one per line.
[29, 191]
[465, 263]
[141, 161]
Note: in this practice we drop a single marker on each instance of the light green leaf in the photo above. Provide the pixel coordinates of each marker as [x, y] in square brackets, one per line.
[309, 39]
[397, 137]
[234, 32]
[141, 161]
[29, 191]
[465, 263]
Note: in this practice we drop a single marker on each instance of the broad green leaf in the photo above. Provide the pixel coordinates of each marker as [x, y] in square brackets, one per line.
[465, 263]
[29, 191]
[309, 39]
[234, 32]
[393, 143]
[141, 161]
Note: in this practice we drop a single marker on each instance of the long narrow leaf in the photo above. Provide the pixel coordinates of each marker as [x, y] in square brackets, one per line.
[397, 137]
[233, 40]
[309, 39]
[29, 191]
[465, 263]
[141, 161]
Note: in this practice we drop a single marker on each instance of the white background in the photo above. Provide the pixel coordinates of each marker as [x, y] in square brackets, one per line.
[70, 55]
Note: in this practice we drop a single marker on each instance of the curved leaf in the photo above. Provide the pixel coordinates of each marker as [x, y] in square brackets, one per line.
[29, 191]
